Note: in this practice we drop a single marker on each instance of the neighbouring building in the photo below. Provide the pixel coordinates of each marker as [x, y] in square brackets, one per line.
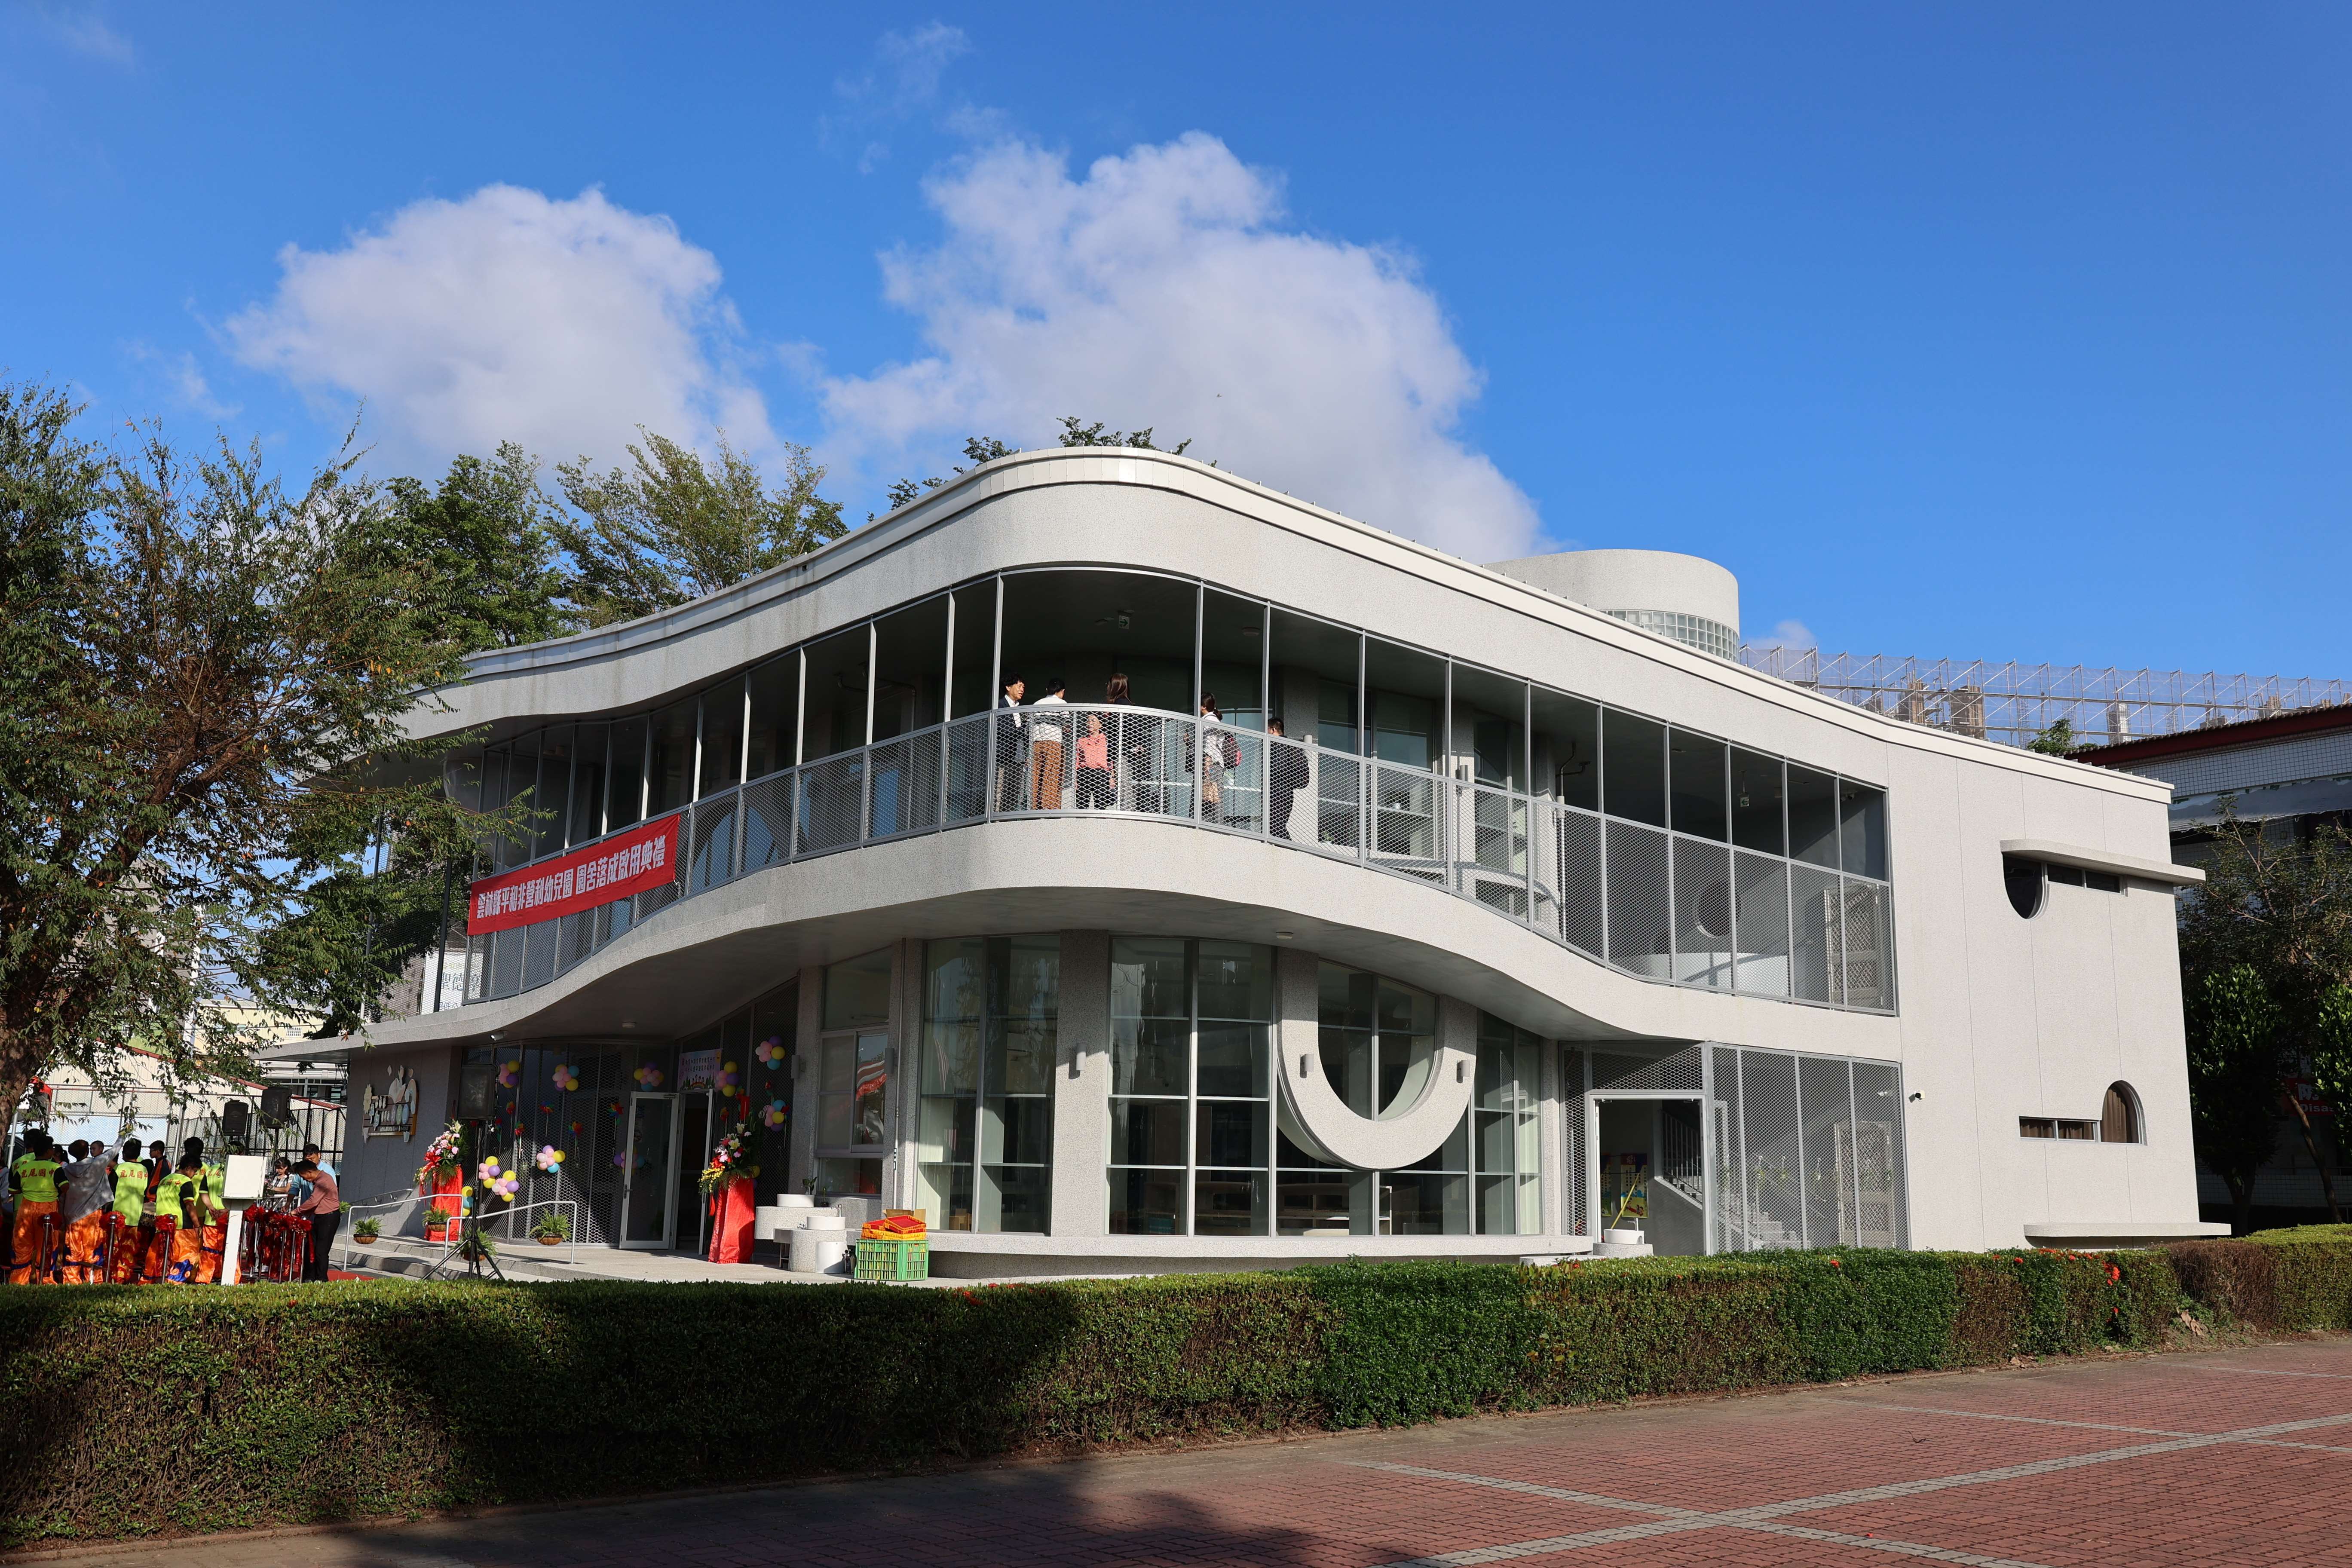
[1322, 894]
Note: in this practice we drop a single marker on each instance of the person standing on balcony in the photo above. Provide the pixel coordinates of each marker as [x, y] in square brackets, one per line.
[1129, 751]
[1285, 776]
[1046, 738]
[1011, 749]
[1094, 789]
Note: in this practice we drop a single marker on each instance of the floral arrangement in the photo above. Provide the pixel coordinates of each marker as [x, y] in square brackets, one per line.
[567, 1078]
[441, 1158]
[549, 1159]
[504, 1184]
[509, 1073]
[732, 1158]
[648, 1076]
[771, 1052]
[774, 1115]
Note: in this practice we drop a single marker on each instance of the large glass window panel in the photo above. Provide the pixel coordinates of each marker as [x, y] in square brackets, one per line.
[973, 682]
[1633, 768]
[1762, 911]
[496, 793]
[1696, 772]
[1150, 1055]
[985, 1140]
[1237, 981]
[589, 746]
[1233, 647]
[1315, 680]
[910, 667]
[857, 992]
[1083, 627]
[1812, 816]
[722, 737]
[1507, 1141]
[1149, 978]
[1147, 1132]
[834, 696]
[523, 784]
[1757, 800]
[773, 716]
[1568, 749]
[554, 788]
[1490, 731]
[768, 1082]
[1861, 811]
[1407, 690]
[625, 799]
[669, 760]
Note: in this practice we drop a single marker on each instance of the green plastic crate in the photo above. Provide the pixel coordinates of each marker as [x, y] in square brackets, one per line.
[894, 1258]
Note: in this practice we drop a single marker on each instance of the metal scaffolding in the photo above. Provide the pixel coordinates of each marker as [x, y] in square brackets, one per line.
[2013, 703]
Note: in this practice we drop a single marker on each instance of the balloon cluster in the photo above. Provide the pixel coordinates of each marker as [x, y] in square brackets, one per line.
[505, 1183]
[648, 1076]
[775, 1114]
[549, 1159]
[729, 1075]
[509, 1073]
[567, 1078]
[770, 1051]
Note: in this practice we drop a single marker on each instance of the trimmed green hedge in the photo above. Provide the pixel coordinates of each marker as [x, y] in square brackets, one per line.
[287, 1405]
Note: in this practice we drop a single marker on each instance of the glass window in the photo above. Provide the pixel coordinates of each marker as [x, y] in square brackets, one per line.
[1634, 768]
[1232, 648]
[1568, 749]
[1812, 816]
[1697, 765]
[854, 1064]
[1192, 1059]
[626, 801]
[1377, 1039]
[523, 784]
[496, 793]
[722, 737]
[670, 762]
[973, 678]
[1405, 690]
[910, 668]
[833, 695]
[589, 745]
[1379, 1044]
[1862, 813]
[554, 788]
[1757, 796]
[857, 993]
[1315, 680]
[1083, 627]
[775, 709]
[768, 1084]
[984, 1146]
[1490, 730]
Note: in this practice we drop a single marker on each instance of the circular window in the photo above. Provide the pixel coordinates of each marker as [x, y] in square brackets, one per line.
[2025, 881]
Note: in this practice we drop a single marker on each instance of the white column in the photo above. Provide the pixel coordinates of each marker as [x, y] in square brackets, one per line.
[1081, 1201]
[1551, 1141]
[802, 1164]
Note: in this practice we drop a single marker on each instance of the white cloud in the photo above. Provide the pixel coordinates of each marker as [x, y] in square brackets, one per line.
[901, 81]
[185, 378]
[1793, 635]
[562, 325]
[1161, 290]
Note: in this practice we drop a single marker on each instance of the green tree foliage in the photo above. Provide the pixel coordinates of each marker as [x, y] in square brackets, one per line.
[2234, 1060]
[1075, 433]
[2278, 903]
[204, 676]
[2058, 740]
[481, 543]
[671, 526]
[2331, 1055]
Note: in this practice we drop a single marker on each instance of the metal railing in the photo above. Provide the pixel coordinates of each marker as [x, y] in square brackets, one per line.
[1661, 906]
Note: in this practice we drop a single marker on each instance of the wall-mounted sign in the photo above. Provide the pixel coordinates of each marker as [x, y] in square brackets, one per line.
[390, 1112]
[632, 862]
[698, 1071]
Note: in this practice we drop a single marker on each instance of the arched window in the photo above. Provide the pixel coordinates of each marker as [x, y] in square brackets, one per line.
[2119, 1117]
[2024, 880]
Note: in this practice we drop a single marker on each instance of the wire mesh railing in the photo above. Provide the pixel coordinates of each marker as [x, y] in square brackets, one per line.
[1663, 907]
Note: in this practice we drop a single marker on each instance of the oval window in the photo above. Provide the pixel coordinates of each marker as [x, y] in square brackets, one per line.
[2024, 880]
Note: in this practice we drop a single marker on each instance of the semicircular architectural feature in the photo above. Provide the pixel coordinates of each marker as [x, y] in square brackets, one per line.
[1421, 1117]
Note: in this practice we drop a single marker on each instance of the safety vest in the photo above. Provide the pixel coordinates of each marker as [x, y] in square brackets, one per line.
[169, 1192]
[131, 1191]
[36, 1179]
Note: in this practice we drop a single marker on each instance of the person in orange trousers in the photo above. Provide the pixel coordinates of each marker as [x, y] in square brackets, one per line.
[172, 1260]
[36, 1174]
[208, 1212]
[85, 1188]
[130, 1213]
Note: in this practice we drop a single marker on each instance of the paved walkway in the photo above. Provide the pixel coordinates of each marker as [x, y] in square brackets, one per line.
[2238, 1457]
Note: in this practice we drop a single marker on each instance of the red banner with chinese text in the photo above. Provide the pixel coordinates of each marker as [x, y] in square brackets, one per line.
[610, 868]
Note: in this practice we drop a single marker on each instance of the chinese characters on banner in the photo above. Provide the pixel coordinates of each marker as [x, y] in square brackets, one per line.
[610, 868]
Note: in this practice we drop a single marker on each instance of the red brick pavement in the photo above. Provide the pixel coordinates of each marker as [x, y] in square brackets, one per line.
[2234, 1457]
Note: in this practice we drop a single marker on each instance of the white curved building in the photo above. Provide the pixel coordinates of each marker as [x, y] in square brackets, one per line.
[1527, 922]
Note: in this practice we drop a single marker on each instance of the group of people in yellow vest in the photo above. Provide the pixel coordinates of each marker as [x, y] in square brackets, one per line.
[96, 1218]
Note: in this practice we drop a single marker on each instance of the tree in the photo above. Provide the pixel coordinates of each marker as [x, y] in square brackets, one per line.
[984, 449]
[2233, 1078]
[1097, 434]
[482, 546]
[2058, 740]
[205, 680]
[671, 527]
[2279, 905]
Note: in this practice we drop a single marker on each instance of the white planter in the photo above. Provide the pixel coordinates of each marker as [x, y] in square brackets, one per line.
[1628, 1236]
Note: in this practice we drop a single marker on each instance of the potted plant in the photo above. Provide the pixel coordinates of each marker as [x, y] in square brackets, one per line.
[438, 1218]
[365, 1231]
[552, 1228]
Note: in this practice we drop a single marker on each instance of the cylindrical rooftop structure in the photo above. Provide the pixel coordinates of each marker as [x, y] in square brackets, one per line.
[1679, 596]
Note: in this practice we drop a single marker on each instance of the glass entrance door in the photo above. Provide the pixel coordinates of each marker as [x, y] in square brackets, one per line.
[1650, 1169]
[648, 1218]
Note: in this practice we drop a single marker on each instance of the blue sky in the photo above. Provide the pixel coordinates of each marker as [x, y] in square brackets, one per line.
[1976, 330]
